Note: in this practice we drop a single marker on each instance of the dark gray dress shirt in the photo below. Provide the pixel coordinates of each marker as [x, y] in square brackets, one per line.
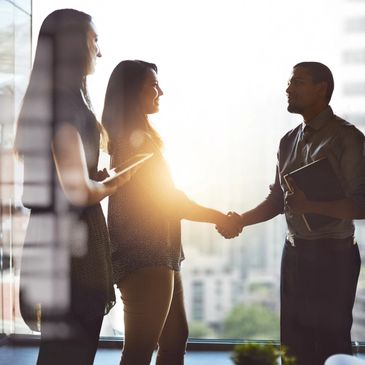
[342, 143]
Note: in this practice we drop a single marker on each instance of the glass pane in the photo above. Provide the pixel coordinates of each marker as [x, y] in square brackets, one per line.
[15, 43]
[224, 66]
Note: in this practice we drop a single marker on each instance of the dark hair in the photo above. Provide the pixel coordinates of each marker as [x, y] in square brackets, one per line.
[61, 60]
[121, 113]
[319, 73]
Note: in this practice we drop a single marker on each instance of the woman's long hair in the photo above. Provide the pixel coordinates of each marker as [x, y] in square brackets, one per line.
[60, 65]
[122, 114]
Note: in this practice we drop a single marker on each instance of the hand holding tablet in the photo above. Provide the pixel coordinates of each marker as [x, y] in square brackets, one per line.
[129, 166]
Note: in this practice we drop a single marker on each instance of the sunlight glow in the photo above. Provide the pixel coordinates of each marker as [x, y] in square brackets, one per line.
[223, 67]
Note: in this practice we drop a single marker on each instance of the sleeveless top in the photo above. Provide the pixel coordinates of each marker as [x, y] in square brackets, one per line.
[66, 264]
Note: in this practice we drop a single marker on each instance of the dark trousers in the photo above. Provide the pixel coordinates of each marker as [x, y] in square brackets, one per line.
[318, 287]
[69, 341]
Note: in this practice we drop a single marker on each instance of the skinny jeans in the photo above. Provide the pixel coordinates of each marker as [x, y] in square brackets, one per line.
[154, 317]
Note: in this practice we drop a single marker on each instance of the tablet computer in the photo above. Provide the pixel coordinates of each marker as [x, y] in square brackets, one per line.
[319, 182]
[127, 166]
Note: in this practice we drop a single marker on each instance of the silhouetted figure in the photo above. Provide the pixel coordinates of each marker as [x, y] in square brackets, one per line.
[144, 222]
[66, 279]
[320, 267]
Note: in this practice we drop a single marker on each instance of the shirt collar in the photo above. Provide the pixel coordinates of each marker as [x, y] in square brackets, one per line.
[320, 120]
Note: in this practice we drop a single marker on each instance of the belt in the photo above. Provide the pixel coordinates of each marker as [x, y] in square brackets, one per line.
[322, 242]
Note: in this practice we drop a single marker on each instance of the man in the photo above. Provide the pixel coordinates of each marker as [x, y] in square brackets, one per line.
[320, 268]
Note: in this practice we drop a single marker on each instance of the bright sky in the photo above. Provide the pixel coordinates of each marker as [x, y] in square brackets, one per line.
[223, 67]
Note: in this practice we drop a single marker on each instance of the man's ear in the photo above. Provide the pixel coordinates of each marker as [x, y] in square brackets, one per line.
[322, 89]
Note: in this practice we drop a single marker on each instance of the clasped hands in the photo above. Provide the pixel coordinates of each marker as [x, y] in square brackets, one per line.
[230, 225]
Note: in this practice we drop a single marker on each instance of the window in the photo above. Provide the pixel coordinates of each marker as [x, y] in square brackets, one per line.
[223, 66]
[198, 301]
[355, 24]
[15, 60]
[356, 56]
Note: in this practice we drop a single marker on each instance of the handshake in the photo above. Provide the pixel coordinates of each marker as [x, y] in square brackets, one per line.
[230, 225]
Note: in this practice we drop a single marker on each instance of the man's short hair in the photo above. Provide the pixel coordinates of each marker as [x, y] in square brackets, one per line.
[319, 73]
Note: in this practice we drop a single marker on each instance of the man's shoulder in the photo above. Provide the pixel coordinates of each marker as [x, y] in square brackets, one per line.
[345, 128]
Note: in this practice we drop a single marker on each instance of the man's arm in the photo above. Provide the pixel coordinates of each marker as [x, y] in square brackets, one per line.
[352, 165]
[268, 209]
[262, 213]
[341, 209]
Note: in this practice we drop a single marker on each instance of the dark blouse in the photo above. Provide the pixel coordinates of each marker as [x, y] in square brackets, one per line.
[73, 262]
[144, 217]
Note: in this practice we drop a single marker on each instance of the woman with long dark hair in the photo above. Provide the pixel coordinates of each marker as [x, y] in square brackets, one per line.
[144, 222]
[66, 280]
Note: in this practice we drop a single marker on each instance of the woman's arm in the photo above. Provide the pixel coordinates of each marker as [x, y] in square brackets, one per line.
[199, 213]
[69, 155]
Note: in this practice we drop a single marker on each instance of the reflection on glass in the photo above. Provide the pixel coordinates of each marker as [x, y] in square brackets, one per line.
[15, 43]
[226, 85]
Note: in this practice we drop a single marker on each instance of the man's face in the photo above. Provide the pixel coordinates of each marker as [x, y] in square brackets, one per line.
[303, 94]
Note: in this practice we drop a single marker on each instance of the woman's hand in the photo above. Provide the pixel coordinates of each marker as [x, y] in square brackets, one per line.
[117, 182]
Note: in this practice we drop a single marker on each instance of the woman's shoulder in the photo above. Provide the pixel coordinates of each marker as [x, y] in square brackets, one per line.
[68, 98]
[72, 109]
[135, 142]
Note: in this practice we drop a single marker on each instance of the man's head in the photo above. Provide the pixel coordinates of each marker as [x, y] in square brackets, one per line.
[310, 88]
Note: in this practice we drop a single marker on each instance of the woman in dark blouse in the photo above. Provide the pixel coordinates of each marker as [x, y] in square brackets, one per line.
[66, 279]
[144, 222]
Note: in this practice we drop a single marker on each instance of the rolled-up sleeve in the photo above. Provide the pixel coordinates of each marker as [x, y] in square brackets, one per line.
[276, 195]
[353, 165]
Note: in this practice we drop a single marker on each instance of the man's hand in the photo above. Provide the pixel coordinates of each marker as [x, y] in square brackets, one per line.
[296, 200]
[231, 226]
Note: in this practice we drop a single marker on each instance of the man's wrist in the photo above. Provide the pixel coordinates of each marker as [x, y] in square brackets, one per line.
[243, 220]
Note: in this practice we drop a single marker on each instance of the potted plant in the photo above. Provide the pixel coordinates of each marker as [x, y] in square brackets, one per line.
[260, 354]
